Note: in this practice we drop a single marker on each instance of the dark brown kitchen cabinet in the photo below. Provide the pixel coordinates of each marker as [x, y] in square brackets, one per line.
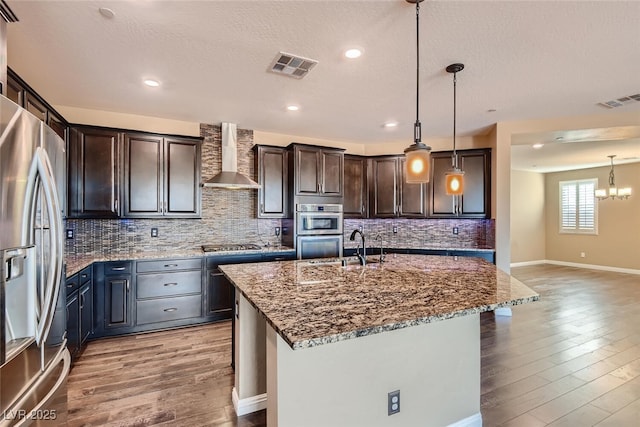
[219, 295]
[113, 289]
[476, 200]
[356, 196]
[389, 195]
[94, 183]
[272, 169]
[118, 302]
[318, 171]
[33, 105]
[15, 90]
[161, 176]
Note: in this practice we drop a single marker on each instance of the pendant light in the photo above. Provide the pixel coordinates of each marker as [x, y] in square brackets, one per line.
[613, 192]
[455, 177]
[417, 155]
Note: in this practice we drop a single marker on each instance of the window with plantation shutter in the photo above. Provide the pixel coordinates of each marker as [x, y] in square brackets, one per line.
[578, 206]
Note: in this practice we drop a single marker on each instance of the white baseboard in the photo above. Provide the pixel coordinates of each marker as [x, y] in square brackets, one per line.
[577, 265]
[249, 404]
[474, 420]
[595, 267]
[527, 263]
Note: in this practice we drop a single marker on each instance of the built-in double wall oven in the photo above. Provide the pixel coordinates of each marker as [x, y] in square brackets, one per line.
[318, 230]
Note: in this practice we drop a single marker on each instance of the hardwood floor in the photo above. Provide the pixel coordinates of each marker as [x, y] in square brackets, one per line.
[570, 359]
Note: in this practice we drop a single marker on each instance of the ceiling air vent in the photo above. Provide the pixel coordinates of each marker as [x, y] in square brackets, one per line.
[620, 101]
[292, 65]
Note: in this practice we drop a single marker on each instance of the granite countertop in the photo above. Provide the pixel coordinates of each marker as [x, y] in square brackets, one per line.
[315, 302]
[78, 262]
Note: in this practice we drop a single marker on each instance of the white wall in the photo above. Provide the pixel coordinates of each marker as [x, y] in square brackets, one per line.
[528, 230]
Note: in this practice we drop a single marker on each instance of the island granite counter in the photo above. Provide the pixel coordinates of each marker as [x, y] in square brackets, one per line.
[338, 339]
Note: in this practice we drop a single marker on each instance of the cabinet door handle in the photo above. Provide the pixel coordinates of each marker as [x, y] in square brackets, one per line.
[169, 310]
[115, 205]
[170, 265]
[171, 284]
[127, 286]
[318, 188]
[261, 207]
[118, 268]
[84, 276]
[81, 301]
[362, 209]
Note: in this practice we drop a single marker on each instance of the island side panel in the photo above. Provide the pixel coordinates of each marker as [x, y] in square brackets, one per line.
[435, 366]
[250, 385]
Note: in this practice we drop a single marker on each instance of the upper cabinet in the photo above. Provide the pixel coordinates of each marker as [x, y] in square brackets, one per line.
[157, 176]
[476, 200]
[356, 195]
[272, 170]
[161, 176]
[94, 173]
[389, 195]
[318, 171]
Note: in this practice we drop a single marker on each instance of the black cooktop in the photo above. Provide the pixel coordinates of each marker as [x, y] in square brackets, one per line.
[231, 247]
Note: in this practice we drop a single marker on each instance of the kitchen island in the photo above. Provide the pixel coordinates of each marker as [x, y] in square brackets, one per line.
[324, 344]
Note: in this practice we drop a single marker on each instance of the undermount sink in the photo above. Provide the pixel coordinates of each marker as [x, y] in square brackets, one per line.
[345, 261]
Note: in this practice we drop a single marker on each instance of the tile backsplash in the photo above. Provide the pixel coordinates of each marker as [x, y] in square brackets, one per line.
[229, 216]
[424, 233]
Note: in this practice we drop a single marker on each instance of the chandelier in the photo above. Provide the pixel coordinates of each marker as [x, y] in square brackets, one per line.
[613, 191]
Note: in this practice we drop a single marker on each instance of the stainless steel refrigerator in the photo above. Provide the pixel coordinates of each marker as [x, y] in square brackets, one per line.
[34, 360]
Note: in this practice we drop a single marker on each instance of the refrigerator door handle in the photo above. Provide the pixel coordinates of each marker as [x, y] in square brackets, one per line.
[63, 357]
[41, 168]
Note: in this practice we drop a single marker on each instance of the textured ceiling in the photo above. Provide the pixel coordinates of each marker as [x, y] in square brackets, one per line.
[526, 60]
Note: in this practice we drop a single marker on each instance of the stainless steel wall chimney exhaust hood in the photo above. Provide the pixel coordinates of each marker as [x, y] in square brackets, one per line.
[230, 177]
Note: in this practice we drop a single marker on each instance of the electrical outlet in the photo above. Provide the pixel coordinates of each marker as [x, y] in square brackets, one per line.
[393, 402]
[154, 232]
[455, 230]
[583, 255]
[360, 228]
[276, 231]
[69, 233]
[395, 229]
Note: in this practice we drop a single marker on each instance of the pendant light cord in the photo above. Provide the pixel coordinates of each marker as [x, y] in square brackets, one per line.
[455, 155]
[417, 129]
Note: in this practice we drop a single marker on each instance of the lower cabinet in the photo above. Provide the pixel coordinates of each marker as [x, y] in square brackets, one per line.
[113, 311]
[145, 295]
[79, 288]
[168, 293]
[220, 293]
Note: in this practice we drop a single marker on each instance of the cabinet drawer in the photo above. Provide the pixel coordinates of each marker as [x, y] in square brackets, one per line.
[72, 283]
[169, 265]
[166, 309]
[86, 275]
[117, 267]
[166, 284]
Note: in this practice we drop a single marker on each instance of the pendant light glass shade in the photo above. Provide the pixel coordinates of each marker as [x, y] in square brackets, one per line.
[417, 163]
[417, 155]
[454, 179]
[455, 182]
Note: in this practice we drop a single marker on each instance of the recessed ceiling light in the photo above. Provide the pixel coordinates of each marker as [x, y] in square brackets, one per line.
[106, 12]
[491, 110]
[538, 146]
[293, 107]
[353, 53]
[391, 125]
[151, 83]
[559, 138]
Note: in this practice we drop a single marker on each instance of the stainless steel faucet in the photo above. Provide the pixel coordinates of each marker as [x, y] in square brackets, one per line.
[362, 258]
